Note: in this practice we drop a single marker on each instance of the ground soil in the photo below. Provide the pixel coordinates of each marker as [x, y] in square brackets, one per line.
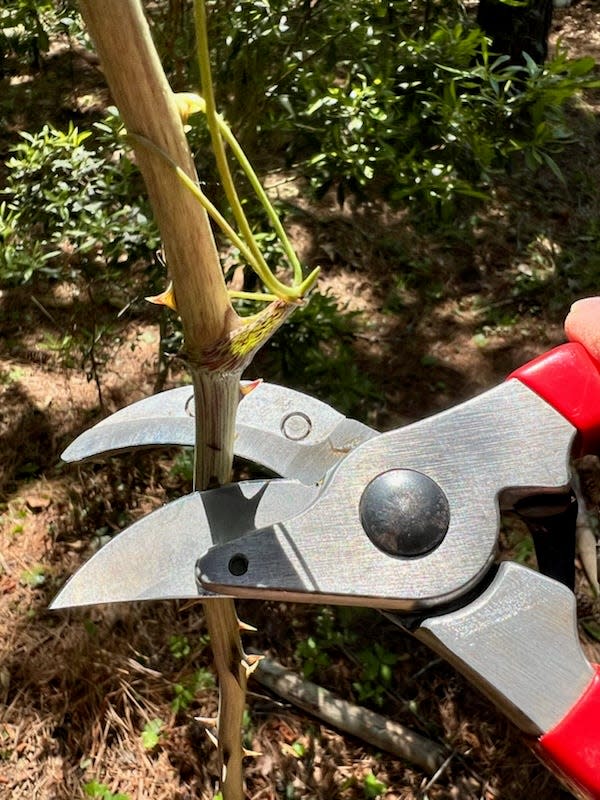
[78, 688]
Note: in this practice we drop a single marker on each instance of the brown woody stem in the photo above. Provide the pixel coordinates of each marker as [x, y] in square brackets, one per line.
[148, 109]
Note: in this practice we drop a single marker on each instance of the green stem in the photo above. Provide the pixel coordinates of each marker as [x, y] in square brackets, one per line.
[210, 208]
[242, 159]
[262, 297]
[198, 104]
[217, 141]
[275, 287]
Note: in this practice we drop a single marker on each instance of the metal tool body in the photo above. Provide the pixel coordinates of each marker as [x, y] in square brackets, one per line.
[408, 521]
[471, 453]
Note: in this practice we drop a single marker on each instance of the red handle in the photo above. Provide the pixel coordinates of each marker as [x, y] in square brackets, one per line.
[572, 748]
[569, 379]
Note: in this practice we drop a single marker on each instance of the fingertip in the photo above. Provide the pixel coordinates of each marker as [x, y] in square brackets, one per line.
[583, 324]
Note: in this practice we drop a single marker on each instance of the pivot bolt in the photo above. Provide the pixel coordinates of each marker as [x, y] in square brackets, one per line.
[404, 513]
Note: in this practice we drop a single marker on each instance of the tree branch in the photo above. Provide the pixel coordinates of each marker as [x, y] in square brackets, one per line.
[363, 723]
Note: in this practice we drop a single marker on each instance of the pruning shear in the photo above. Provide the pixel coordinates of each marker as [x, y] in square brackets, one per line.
[405, 521]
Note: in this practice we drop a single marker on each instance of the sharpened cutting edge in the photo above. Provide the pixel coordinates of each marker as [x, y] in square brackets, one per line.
[287, 432]
[154, 559]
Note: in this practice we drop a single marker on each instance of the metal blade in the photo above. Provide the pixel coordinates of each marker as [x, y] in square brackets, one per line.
[507, 437]
[287, 432]
[154, 559]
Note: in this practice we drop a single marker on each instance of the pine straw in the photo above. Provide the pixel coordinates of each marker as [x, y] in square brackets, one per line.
[77, 689]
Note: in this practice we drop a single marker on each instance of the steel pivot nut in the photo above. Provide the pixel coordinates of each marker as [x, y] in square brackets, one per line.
[404, 513]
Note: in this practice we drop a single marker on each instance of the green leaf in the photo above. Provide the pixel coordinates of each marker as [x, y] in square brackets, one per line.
[34, 577]
[581, 66]
[373, 787]
[152, 733]
[102, 792]
[95, 789]
[299, 749]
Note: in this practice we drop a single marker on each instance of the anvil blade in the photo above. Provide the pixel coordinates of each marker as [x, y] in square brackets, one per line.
[154, 559]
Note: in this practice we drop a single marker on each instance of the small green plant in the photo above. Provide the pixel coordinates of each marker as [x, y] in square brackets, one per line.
[313, 652]
[186, 690]
[376, 674]
[179, 645]
[152, 733]
[182, 468]
[13, 375]
[338, 633]
[313, 657]
[100, 791]
[34, 577]
[373, 787]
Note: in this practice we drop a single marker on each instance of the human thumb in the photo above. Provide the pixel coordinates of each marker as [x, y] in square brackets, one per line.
[583, 325]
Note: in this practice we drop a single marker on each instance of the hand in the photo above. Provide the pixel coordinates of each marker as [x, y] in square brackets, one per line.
[583, 325]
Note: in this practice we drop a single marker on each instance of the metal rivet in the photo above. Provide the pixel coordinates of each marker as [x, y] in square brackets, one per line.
[296, 426]
[404, 513]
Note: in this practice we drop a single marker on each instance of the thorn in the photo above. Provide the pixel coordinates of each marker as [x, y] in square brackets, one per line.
[246, 388]
[245, 626]
[250, 753]
[212, 738]
[166, 298]
[224, 773]
[208, 722]
[250, 664]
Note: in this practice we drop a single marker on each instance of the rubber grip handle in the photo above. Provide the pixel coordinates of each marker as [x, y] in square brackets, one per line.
[568, 378]
[572, 748]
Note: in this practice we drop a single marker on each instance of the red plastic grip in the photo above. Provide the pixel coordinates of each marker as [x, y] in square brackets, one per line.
[572, 748]
[568, 378]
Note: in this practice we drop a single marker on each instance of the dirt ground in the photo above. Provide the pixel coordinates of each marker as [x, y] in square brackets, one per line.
[78, 689]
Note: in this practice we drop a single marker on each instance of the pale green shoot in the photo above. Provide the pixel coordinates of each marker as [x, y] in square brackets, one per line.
[220, 131]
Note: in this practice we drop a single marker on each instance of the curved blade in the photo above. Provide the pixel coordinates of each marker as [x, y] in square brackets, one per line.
[288, 432]
[154, 559]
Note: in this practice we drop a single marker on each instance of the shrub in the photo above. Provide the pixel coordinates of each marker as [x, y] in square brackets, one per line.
[73, 203]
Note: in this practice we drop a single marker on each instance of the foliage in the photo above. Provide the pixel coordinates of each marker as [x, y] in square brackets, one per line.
[376, 674]
[27, 27]
[179, 645]
[152, 732]
[336, 632]
[100, 791]
[373, 787]
[34, 577]
[22, 29]
[401, 98]
[442, 121]
[314, 352]
[72, 208]
[186, 690]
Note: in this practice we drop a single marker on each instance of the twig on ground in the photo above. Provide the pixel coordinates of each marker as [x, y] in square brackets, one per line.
[367, 725]
[587, 545]
[438, 773]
